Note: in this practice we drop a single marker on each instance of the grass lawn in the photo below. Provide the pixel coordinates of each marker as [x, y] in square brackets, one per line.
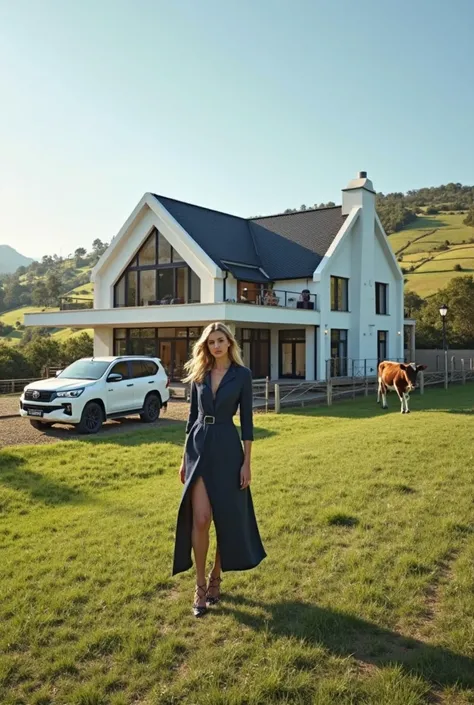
[366, 596]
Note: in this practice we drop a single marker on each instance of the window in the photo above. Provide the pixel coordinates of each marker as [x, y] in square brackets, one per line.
[121, 368]
[338, 352]
[382, 345]
[141, 368]
[339, 294]
[131, 291]
[381, 291]
[147, 255]
[147, 287]
[157, 275]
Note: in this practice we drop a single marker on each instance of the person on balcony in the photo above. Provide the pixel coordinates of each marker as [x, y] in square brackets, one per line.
[215, 469]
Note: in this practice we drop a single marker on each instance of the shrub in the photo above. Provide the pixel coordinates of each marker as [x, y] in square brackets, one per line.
[457, 268]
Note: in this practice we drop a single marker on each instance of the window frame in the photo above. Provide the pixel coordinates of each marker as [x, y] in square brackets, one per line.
[381, 286]
[135, 267]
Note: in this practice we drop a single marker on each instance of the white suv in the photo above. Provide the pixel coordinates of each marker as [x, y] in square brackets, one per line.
[94, 389]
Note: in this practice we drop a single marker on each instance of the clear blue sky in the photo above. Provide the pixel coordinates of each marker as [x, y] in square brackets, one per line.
[247, 106]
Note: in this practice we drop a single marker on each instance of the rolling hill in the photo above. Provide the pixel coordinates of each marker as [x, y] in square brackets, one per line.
[434, 249]
[10, 260]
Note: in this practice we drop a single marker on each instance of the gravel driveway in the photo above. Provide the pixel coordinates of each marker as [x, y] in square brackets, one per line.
[18, 431]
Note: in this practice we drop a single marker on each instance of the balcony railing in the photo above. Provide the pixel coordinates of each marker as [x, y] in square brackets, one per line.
[277, 297]
[74, 303]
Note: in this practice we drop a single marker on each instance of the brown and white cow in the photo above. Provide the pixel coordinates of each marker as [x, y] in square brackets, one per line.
[399, 377]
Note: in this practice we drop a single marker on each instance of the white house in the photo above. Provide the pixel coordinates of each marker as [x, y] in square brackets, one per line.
[307, 293]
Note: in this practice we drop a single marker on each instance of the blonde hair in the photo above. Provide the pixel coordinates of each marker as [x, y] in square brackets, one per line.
[202, 361]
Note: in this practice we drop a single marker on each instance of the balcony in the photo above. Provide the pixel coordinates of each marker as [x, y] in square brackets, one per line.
[277, 297]
[74, 303]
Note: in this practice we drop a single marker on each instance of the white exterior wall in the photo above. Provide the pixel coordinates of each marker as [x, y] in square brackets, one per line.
[103, 341]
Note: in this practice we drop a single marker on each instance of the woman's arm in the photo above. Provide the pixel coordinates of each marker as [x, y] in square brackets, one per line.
[193, 413]
[246, 428]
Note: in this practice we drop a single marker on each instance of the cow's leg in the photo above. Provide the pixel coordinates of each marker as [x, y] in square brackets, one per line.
[406, 397]
[401, 396]
[379, 389]
[383, 390]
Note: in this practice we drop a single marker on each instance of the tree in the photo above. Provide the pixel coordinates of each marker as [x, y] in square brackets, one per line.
[99, 247]
[413, 303]
[14, 365]
[469, 219]
[43, 352]
[459, 297]
[39, 295]
[76, 347]
[53, 287]
[80, 252]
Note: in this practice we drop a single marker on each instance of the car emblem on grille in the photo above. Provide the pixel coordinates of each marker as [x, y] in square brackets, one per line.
[35, 395]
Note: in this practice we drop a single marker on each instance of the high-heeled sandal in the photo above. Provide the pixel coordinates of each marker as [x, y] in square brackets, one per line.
[214, 582]
[200, 592]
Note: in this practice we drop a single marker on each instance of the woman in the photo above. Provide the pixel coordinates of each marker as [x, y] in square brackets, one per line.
[215, 469]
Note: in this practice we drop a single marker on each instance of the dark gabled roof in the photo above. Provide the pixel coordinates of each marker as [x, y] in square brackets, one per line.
[313, 230]
[221, 236]
[287, 246]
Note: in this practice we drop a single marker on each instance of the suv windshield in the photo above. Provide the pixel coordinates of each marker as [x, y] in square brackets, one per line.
[85, 369]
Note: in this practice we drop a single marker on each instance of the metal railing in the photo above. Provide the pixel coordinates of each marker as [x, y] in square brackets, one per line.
[277, 297]
[350, 367]
[75, 303]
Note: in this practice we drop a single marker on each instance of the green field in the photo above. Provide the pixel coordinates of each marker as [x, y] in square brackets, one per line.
[11, 317]
[366, 596]
[419, 240]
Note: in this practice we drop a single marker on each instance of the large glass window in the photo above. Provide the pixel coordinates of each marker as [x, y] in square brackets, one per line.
[164, 250]
[132, 293]
[157, 274]
[147, 287]
[147, 255]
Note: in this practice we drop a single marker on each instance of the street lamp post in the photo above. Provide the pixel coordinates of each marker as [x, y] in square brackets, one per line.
[443, 310]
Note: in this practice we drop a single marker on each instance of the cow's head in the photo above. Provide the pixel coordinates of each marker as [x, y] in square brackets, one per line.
[411, 370]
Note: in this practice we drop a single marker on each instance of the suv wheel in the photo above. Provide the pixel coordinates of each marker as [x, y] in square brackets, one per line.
[151, 408]
[91, 419]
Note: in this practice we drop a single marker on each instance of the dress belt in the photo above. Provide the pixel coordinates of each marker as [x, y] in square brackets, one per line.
[207, 420]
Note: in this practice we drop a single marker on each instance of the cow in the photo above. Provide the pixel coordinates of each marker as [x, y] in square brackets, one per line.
[399, 377]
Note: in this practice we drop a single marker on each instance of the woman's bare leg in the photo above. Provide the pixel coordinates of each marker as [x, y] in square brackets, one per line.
[214, 585]
[202, 517]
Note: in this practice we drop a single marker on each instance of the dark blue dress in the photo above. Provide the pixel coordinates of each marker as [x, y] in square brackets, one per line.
[214, 452]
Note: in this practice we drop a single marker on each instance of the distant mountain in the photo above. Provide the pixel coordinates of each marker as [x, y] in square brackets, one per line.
[10, 260]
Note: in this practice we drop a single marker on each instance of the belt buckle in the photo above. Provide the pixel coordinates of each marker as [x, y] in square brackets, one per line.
[209, 420]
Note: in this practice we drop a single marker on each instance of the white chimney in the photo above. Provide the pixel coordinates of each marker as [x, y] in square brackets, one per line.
[359, 192]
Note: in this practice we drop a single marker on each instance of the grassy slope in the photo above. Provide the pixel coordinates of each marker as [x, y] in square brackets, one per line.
[366, 596]
[11, 317]
[430, 232]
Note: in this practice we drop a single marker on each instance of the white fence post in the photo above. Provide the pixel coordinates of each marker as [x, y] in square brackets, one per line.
[463, 371]
[277, 398]
[453, 362]
[366, 389]
[422, 382]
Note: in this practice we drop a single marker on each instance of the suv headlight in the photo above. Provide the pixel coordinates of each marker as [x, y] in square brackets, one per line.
[71, 393]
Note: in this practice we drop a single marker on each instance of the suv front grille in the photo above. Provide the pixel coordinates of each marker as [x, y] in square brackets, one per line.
[41, 407]
[30, 395]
